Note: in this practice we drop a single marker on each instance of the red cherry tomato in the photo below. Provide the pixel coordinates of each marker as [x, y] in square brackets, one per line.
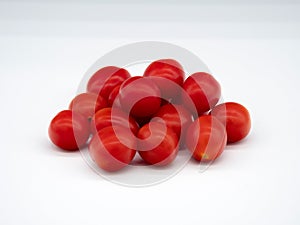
[176, 117]
[106, 79]
[87, 104]
[112, 148]
[206, 138]
[166, 144]
[140, 96]
[204, 90]
[105, 118]
[237, 120]
[169, 69]
[69, 130]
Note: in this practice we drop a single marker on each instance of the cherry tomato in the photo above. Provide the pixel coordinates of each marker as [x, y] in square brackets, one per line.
[106, 79]
[206, 138]
[112, 148]
[237, 120]
[116, 117]
[140, 96]
[69, 130]
[161, 144]
[204, 90]
[87, 104]
[168, 69]
[176, 117]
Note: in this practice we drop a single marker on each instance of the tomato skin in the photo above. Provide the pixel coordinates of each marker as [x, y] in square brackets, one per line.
[237, 120]
[108, 151]
[106, 79]
[166, 144]
[105, 118]
[140, 96]
[176, 117]
[87, 104]
[169, 69]
[113, 96]
[206, 138]
[69, 130]
[204, 90]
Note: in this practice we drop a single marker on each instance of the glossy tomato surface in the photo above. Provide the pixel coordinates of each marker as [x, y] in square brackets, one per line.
[169, 70]
[237, 120]
[113, 95]
[87, 104]
[206, 138]
[158, 146]
[106, 79]
[140, 96]
[69, 130]
[107, 117]
[112, 148]
[204, 90]
[176, 117]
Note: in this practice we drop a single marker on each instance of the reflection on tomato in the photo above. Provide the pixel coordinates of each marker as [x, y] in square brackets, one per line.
[206, 138]
[165, 144]
[237, 120]
[107, 117]
[168, 69]
[87, 104]
[112, 148]
[106, 79]
[69, 130]
[113, 95]
[204, 90]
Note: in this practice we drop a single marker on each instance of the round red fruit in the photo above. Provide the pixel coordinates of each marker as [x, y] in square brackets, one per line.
[204, 91]
[169, 70]
[158, 144]
[236, 118]
[112, 148]
[69, 130]
[206, 138]
[106, 79]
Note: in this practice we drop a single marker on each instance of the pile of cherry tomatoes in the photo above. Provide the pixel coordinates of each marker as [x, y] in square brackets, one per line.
[153, 115]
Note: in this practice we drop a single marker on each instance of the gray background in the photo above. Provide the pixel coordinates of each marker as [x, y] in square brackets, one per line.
[251, 47]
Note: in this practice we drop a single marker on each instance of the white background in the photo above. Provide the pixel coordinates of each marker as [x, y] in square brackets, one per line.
[252, 48]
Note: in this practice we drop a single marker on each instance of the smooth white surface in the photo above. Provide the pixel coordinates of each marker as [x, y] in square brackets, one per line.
[257, 64]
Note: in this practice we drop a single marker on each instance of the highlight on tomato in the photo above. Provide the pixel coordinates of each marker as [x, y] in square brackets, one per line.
[204, 90]
[158, 144]
[206, 138]
[112, 148]
[112, 117]
[168, 69]
[69, 130]
[87, 104]
[106, 79]
[236, 118]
